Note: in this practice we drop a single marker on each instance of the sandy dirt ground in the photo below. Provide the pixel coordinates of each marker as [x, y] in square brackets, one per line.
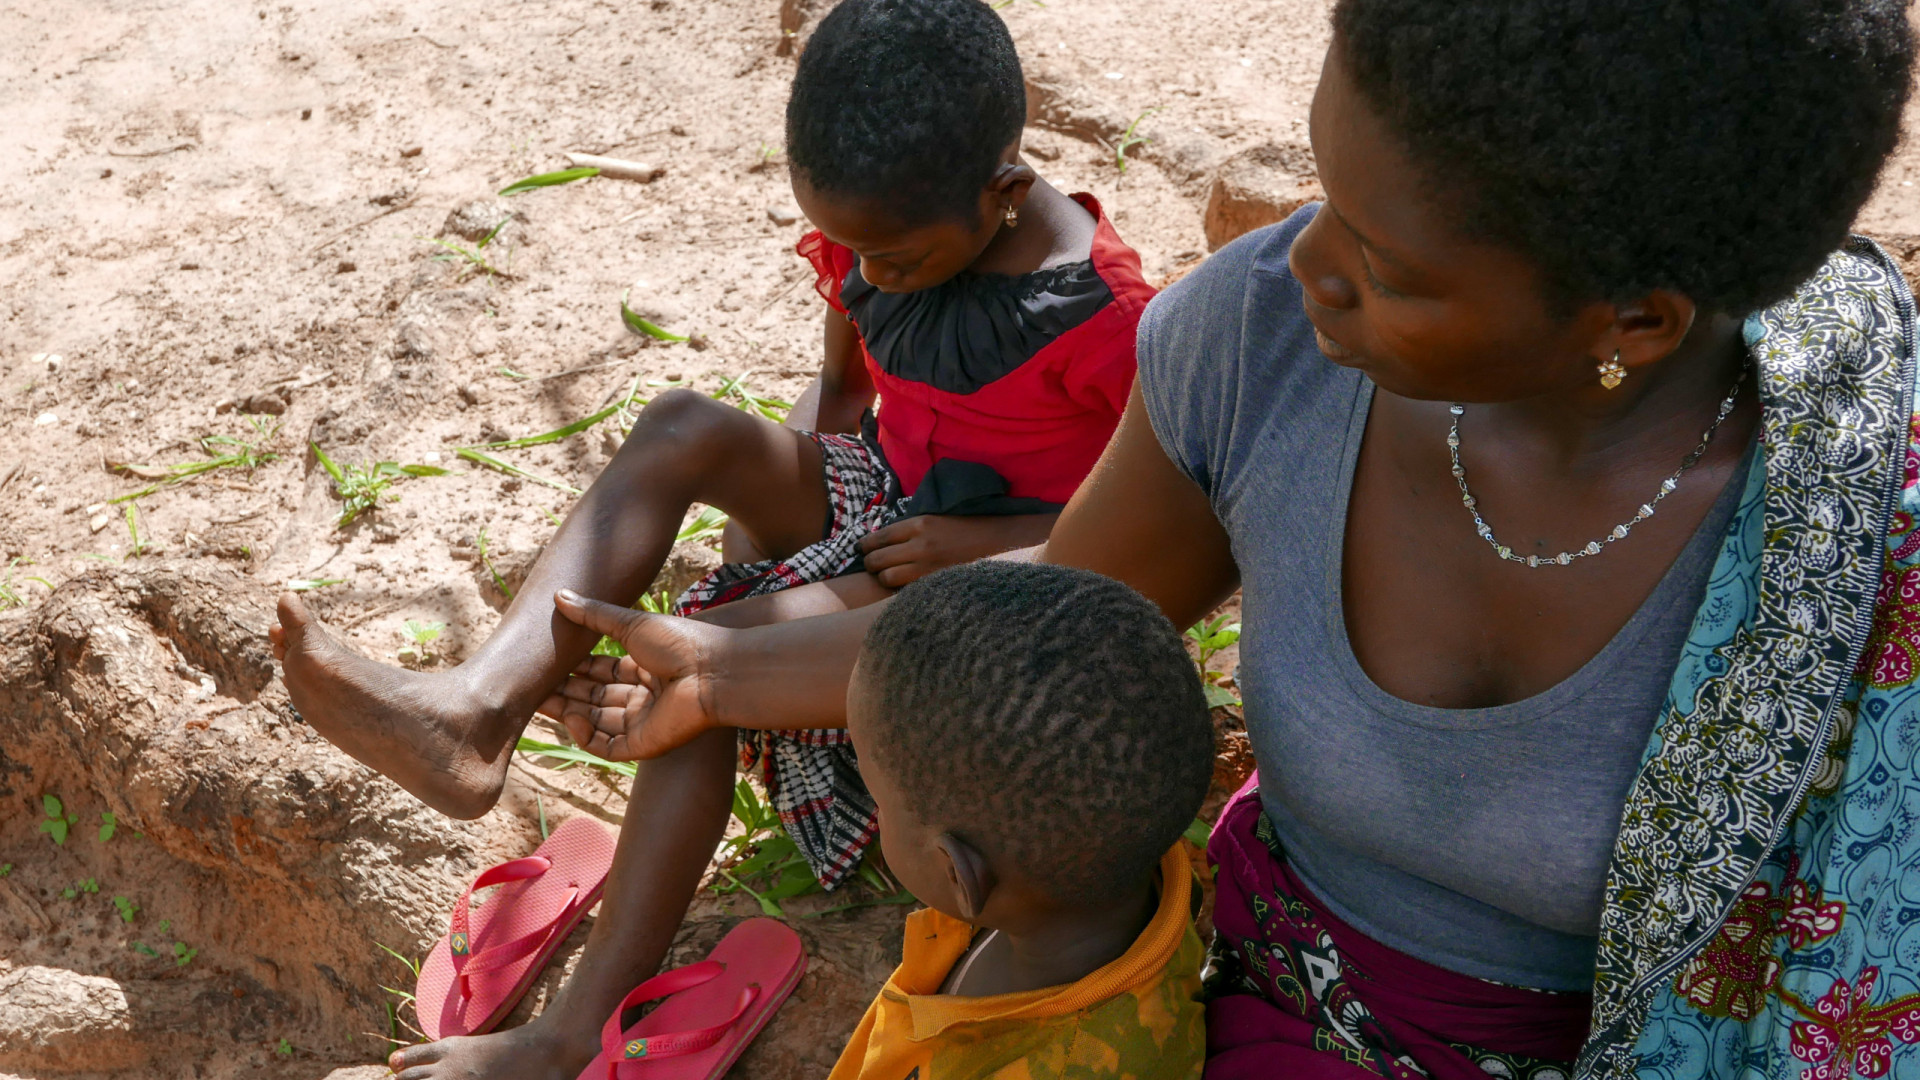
[231, 221]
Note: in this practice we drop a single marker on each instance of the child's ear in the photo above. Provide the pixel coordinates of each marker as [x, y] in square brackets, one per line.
[969, 875]
[1010, 183]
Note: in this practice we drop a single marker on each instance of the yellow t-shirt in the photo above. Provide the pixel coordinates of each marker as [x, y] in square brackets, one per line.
[1134, 1019]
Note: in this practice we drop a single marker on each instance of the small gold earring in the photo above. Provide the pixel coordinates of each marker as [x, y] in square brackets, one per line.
[1612, 372]
[1013, 217]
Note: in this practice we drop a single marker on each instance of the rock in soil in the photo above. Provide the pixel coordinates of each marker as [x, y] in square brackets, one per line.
[1258, 187]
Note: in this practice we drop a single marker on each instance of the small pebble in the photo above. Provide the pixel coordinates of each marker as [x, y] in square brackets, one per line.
[677, 129]
[411, 151]
[54, 360]
[346, 266]
[1116, 74]
[306, 114]
[96, 522]
[782, 215]
[45, 419]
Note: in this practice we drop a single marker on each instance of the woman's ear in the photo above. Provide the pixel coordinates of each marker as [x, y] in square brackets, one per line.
[968, 875]
[1648, 330]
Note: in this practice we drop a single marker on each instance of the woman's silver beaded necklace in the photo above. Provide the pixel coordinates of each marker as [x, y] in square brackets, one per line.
[1619, 532]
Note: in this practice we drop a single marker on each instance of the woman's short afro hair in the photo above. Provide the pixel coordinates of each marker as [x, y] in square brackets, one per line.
[1719, 148]
[906, 101]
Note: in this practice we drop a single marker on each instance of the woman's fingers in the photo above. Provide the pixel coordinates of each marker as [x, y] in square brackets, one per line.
[609, 619]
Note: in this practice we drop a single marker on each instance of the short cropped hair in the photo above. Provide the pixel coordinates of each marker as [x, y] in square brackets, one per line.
[908, 102]
[1720, 148]
[1050, 717]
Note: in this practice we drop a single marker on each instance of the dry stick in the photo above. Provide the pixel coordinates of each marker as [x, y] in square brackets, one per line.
[316, 249]
[387, 609]
[576, 371]
[618, 168]
[7, 480]
[111, 152]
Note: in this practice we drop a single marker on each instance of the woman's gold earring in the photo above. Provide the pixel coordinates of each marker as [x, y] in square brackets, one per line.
[1013, 217]
[1611, 372]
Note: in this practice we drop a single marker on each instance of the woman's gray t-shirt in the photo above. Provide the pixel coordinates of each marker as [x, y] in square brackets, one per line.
[1474, 839]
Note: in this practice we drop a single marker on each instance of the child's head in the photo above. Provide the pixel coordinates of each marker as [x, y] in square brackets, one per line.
[903, 134]
[1034, 736]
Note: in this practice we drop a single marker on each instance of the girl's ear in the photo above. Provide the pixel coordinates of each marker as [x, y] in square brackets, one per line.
[968, 874]
[1010, 183]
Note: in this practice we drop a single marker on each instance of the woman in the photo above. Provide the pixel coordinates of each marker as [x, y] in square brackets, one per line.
[1561, 458]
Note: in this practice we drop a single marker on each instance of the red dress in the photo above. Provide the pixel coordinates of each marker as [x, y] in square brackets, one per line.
[1040, 425]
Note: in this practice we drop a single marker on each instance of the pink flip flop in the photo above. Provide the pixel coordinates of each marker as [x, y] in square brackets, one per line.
[713, 1009]
[483, 967]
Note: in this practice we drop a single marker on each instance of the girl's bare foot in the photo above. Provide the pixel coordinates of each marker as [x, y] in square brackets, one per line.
[430, 732]
[523, 1053]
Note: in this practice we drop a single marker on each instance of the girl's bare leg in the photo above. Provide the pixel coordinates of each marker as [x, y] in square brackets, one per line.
[447, 736]
[675, 818]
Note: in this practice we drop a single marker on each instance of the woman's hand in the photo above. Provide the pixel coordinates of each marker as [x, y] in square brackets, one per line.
[909, 550]
[639, 706]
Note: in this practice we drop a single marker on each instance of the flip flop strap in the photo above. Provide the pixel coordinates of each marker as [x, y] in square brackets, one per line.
[466, 960]
[621, 1051]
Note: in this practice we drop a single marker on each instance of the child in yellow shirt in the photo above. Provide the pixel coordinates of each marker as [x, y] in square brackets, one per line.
[1036, 740]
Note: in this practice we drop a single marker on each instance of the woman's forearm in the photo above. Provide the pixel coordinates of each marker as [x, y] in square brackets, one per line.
[790, 674]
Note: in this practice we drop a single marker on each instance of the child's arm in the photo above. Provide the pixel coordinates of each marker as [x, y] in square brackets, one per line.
[844, 391]
[909, 550]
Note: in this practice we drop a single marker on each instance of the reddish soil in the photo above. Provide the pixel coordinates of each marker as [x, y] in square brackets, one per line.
[220, 209]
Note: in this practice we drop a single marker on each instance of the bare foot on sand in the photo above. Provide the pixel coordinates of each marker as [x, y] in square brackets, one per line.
[523, 1053]
[430, 732]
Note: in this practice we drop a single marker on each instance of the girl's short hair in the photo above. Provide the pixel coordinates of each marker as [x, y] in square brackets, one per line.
[910, 102]
[1720, 148]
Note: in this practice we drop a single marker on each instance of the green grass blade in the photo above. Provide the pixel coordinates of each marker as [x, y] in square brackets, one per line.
[641, 326]
[553, 436]
[550, 179]
[325, 461]
[576, 755]
[492, 462]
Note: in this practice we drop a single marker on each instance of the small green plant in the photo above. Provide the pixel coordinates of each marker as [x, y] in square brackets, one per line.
[143, 949]
[107, 825]
[90, 885]
[5, 868]
[486, 560]
[284, 1048]
[128, 909]
[229, 452]
[10, 595]
[764, 159]
[57, 821]
[182, 956]
[1209, 637]
[1128, 140]
[364, 487]
[133, 531]
[657, 603]
[474, 257]
[401, 997]
[165, 925]
[707, 523]
[420, 636]
[310, 584]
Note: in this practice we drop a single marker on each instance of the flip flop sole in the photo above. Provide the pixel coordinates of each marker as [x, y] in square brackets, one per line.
[581, 851]
[762, 952]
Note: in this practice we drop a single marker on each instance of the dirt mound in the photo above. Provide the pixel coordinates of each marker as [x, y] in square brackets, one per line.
[236, 909]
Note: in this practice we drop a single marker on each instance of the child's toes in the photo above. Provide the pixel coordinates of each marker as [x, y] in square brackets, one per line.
[414, 1057]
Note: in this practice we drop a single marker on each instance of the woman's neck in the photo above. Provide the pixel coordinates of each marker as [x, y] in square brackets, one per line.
[1665, 403]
